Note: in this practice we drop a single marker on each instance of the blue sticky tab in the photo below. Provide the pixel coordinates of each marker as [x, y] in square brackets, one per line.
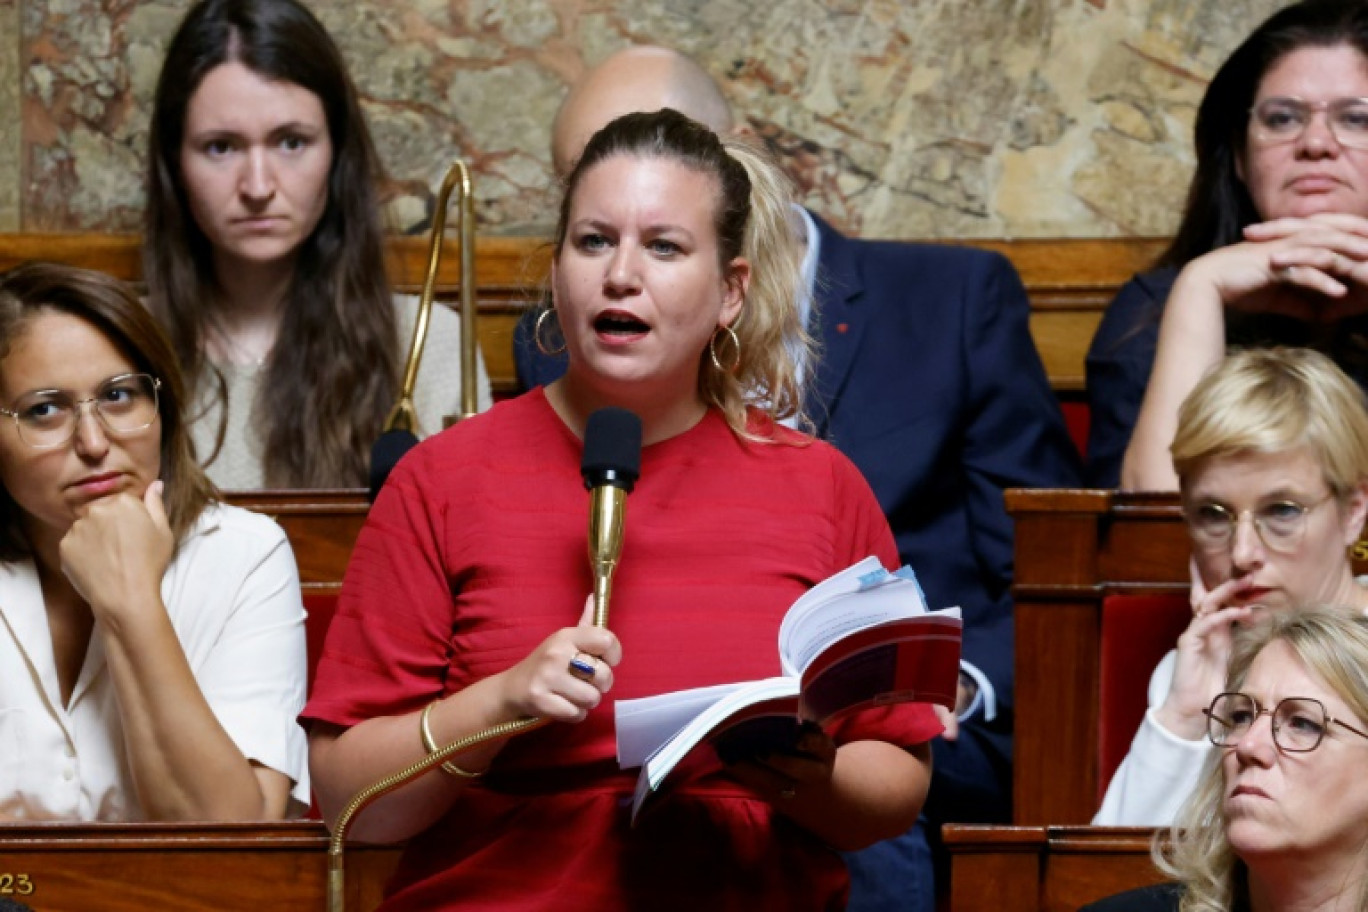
[907, 573]
[874, 578]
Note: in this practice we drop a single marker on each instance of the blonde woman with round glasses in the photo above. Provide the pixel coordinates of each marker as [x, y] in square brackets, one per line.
[1272, 460]
[151, 640]
[1279, 821]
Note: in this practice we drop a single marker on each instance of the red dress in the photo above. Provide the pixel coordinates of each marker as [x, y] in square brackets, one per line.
[475, 552]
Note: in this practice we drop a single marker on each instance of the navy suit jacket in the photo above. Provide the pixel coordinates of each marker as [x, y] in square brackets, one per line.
[928, 380]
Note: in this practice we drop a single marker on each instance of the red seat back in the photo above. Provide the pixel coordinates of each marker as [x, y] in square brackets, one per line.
[1078, 419]
[1137, 630]
[320, 607]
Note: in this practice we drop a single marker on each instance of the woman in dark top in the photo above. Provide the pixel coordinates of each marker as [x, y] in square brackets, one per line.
[1279, 821]
[1273, 245]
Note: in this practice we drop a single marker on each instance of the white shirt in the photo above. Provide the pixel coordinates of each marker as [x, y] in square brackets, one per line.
[239, 465]
[232, 593]
[1160, 771]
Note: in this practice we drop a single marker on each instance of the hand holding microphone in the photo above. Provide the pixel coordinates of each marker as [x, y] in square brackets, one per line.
[567, 675]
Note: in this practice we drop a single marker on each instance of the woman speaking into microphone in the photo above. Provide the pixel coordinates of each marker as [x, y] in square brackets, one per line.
[673, 287]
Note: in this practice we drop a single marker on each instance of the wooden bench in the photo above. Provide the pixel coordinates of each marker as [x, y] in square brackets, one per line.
[1044, 869]
[1069, 283]
[281, 867]
[115, 867]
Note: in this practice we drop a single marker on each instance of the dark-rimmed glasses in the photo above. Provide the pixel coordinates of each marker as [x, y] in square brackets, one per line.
[1275, 121]
[1280, 525]
[48, 418]
[1299, 723]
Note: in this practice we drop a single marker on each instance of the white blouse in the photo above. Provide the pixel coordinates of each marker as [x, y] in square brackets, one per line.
[232, 593]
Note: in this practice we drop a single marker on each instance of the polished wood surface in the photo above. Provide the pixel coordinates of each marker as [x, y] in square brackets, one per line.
[1069, 283]
[1044, 869]
[278, 867]
[1072, 549]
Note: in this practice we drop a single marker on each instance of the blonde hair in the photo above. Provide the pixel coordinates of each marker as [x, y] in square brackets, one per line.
[753, 219]
[770, 326]
[1332, 643]
[1274, 399]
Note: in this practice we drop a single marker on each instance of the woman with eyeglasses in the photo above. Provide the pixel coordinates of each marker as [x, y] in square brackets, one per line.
[1273, 244]
[1279, 821]
[1272, 461]
[152, 652]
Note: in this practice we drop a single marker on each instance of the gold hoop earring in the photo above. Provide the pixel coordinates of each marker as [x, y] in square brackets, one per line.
[736, 346]
[537, 334]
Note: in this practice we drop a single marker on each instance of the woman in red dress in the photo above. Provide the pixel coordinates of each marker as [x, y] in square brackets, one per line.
[673, 282]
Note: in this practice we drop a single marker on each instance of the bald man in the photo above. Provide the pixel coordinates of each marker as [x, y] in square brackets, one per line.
[928, 380]
[636, 79]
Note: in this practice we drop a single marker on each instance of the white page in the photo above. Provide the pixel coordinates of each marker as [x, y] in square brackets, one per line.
[646, 723]
[803, 637]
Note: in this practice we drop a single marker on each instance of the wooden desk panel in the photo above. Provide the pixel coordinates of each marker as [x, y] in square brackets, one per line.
[1044, 869]
[1072, 549]
[280, 867]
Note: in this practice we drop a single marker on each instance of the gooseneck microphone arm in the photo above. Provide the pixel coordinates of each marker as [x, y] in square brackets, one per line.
[610, 466]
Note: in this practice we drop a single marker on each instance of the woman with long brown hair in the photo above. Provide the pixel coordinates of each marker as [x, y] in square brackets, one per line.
[264, 253]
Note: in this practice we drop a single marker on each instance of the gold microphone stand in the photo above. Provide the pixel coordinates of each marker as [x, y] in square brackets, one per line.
[404, 417]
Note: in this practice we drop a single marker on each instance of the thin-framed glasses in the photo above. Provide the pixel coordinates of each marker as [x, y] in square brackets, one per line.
[1299, 723]
[48, 418]
[1280, 524]
[1275, 121]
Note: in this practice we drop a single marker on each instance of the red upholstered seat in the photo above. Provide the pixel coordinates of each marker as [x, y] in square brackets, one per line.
[1137, 630]
[1078, 419]
[320, 607]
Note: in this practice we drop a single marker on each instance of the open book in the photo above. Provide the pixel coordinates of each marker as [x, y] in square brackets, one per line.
[863, 637]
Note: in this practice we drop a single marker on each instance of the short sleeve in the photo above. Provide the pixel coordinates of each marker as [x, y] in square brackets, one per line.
[387, 646]
[253, 677]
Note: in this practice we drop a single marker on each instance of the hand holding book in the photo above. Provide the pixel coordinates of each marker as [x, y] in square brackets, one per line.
[808, 756]
[861, 638]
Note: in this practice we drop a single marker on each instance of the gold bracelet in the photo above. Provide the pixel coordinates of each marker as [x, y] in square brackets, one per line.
[430, 745]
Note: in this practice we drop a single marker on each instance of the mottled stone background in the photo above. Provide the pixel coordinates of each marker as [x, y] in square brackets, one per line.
[919, 118]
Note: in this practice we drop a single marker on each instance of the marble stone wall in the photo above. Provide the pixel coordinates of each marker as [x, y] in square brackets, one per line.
[897, 118]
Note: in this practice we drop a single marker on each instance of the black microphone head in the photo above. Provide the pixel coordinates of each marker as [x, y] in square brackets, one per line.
[385, 455]
[612, 449]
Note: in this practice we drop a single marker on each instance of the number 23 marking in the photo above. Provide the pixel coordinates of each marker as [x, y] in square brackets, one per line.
[16, 884]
